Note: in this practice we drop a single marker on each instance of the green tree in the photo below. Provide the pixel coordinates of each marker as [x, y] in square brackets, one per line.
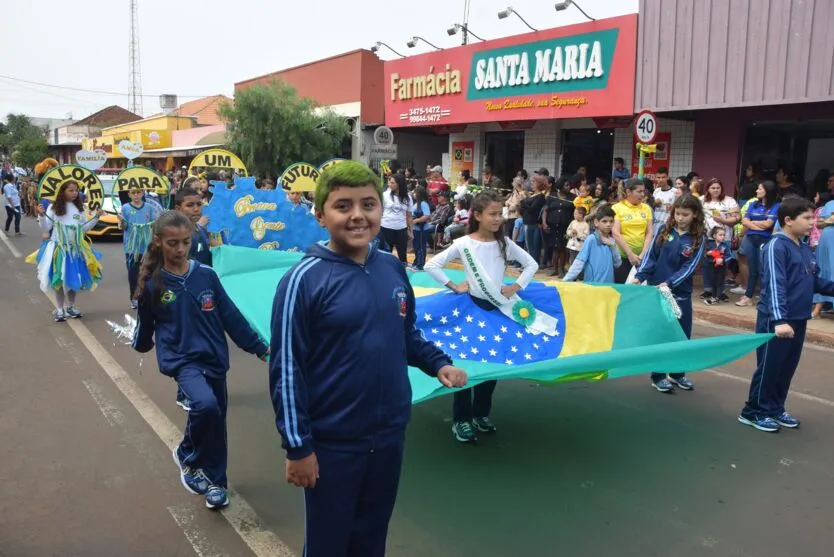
[30, 151]
[271, 127]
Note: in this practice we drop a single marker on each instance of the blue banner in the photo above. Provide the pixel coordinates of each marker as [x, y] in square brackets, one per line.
[262, 219]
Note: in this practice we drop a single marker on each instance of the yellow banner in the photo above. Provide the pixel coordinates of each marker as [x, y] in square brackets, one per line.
[328, 164]
[87, 182]
[300, 176]
[143, 178]
[217, 159]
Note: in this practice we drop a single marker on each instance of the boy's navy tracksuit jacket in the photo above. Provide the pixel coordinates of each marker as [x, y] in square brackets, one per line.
[343, 335]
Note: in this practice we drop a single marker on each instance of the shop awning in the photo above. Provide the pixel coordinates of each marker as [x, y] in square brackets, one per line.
[190, 151]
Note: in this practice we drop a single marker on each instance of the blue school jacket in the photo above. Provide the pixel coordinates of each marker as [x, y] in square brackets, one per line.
[343, 336]
[790, 277]
[190, 319]
[672, 263]
[200, 246]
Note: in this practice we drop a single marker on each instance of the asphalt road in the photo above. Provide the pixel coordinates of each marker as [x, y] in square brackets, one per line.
[578, 469]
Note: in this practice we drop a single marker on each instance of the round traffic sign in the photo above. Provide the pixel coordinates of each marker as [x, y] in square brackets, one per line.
[645, 127]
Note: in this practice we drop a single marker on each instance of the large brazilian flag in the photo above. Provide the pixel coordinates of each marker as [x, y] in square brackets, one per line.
[602, 331]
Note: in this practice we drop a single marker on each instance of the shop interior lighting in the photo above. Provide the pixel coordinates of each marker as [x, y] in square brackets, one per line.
[504, 14]
[565, 4]
[379, 45]
[453, 30]
[415, 39]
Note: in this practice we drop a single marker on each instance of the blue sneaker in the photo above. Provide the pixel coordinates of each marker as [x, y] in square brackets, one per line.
[683, 383]
[663, 386]
[484, 425]
[464, 433]
[74, 312]
[786, 420]
[193, 479]
[762, 423]
[217, 498]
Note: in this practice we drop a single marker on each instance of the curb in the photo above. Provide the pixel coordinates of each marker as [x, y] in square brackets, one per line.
[748, 323]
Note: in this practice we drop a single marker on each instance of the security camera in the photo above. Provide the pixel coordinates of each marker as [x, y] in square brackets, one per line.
[412, 43]
[453, 30]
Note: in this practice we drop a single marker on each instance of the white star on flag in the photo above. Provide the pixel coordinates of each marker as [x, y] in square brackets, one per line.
[443, 319]
[519, 334]
[482, 338]
[557, 332]
[426, 317]
[481, 324]
[528, 357]
[438, 344]
[508, 362]
[514, 349]
[455, 313]
[447, 333]
[453, 346]
[497, 338]
[544, 338]
[536, 346]
[503, 329]
[493, 353]
[457, 329]
[474, 350]
[483, 360]
[469, 319]
[434, 331]
[464, 339]
[462, 356]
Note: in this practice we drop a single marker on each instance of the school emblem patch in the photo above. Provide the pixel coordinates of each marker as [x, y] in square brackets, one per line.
[167, 297]
[401, 299]
[687, 251]
[207, 300]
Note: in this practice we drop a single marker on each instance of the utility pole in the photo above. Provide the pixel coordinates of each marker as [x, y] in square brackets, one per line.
[465, 33]
[135, 90]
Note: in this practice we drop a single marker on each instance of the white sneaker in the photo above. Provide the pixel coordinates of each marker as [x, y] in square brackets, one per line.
[738, 290]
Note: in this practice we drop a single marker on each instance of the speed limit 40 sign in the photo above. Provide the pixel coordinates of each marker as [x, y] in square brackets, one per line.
[645, 127]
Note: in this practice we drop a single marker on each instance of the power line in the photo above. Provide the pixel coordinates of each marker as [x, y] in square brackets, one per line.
[122, 94]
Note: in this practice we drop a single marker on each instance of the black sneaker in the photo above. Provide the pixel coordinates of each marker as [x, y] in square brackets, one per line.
[724, 298]
[59, 316]
[706, 295]
[484, 425]
[464, 433]
[711, 301]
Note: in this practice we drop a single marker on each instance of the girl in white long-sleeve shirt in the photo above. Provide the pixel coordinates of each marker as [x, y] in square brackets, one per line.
[67, 262]
[484, 252]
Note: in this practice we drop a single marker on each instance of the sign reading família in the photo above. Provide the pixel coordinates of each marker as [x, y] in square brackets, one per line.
[588, 69]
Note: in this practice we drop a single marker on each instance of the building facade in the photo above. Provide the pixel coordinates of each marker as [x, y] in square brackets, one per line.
[558, 98]
[753, 80]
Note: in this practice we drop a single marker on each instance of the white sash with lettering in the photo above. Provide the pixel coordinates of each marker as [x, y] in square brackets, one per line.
[482, 286]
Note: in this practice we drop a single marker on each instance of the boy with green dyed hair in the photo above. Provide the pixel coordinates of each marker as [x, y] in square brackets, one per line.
[343, 336]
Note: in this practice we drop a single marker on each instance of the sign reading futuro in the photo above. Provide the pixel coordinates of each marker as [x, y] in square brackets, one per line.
[584, 70]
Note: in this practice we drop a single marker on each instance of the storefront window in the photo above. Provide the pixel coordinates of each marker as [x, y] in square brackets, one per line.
[505, 154]
[591, 148]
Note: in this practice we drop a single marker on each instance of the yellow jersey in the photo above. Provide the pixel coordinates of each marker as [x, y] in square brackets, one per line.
[635, 223]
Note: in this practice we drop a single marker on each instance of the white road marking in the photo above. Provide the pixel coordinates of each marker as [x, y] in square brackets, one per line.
[184, 517]
[112, 414]
[797, 394]
[9, 244]
[239, 514]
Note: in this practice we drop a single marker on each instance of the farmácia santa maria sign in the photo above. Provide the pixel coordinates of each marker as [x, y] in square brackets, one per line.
[576, 71]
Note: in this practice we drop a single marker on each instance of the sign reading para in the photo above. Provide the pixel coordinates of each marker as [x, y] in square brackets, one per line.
[143, 178]
[300, 176]
[218, 158]
[87, 182]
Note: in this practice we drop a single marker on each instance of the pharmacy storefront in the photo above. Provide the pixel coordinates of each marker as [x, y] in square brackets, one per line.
[551, 98]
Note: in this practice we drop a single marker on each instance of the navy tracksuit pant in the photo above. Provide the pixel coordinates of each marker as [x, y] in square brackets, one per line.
[348, 511]
[133, 266]
[685, 321]
[204, 443]
[776, 362]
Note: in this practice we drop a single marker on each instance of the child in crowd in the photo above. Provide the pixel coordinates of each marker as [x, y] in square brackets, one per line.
[675, 252]
[489, 249]
[67, 262]
[136, 220]
[717, 254]
[420, 216]
[599, 255]
[185, 308]
[578, 230]
[190, 203]
[584, 199]
[343, 336]
[460, 220]
[790, 277]
[13, 210]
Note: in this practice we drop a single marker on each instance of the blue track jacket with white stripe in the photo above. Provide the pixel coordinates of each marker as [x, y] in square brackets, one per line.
[790, 277]
[190, 319]
[343, 336]
[674, 262]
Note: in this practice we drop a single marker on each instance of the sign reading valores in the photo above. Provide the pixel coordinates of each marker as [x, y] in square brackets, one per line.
[218, 158]
[143, 178]
[87, 182]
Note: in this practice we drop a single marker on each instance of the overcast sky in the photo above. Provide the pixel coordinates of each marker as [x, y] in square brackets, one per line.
[197, 48]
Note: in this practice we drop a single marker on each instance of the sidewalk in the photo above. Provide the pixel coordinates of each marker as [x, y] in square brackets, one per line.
[820, 331]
